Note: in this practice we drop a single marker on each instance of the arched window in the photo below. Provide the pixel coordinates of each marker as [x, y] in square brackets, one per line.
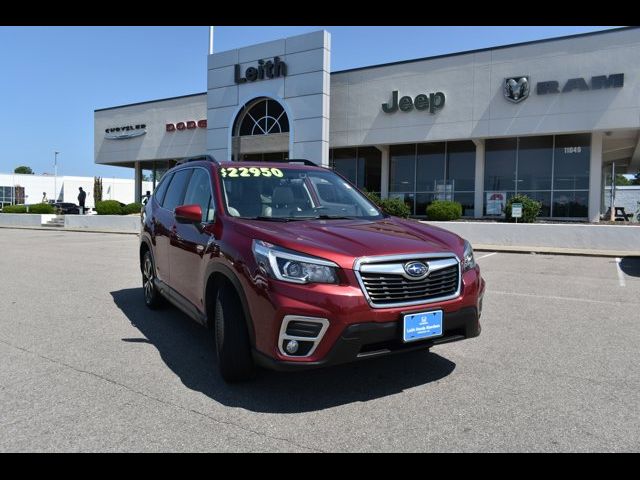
[262, 116]
[261, 131]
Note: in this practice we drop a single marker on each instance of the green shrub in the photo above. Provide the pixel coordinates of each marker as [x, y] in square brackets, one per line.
[530, 208]
[396, 207]
[38, 208]
[392, 206]
[373, 197]
[444, 210]
[41, 208]
[132, 208]
[15, 209]
[109, 207]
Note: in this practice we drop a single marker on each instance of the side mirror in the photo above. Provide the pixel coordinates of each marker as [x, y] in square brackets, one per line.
[189, 214]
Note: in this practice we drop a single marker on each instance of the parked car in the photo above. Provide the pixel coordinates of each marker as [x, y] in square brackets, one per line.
[66, 208]
[291, 267]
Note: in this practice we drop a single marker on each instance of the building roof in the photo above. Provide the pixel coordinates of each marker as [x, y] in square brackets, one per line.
[422, 59]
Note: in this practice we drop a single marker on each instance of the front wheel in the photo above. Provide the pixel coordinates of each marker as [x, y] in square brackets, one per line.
[152, 298]
[232, 339]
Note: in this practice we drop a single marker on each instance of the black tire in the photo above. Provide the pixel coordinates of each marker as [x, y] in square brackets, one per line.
[231, 338]
[152, 297]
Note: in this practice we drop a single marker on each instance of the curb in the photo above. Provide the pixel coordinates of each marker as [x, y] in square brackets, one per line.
[62, 229]
[584, 252]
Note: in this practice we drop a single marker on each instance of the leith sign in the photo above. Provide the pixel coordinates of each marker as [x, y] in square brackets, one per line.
[264, 70]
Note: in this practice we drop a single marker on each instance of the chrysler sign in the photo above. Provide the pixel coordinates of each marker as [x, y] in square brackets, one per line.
[125, 131]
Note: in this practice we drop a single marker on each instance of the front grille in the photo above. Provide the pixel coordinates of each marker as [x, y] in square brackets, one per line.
[385, 289]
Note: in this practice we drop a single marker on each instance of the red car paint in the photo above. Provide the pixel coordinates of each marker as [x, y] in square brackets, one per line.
[187, 255]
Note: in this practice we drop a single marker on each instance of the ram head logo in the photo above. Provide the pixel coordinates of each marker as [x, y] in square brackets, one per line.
[516, 89]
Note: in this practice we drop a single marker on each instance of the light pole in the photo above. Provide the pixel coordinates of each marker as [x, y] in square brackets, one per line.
[55, 176]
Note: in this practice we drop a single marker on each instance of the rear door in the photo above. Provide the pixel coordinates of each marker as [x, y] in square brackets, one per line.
[165, 222]
[189, 242]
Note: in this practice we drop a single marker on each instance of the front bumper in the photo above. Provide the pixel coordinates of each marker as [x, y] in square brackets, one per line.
[360, 341]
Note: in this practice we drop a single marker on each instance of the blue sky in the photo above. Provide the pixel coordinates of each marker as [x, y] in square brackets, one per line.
[53, 78]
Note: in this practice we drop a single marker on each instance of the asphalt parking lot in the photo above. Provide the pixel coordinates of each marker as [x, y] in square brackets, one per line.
[84, 366]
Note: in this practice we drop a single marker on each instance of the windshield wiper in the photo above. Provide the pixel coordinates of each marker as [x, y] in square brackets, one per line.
[332, 217]
[271, 219]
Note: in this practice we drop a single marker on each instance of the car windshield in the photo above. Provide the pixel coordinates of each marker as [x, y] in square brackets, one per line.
[284, 194]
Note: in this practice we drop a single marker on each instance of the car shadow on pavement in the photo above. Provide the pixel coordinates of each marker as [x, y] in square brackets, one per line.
[630, 266]
[187, 349]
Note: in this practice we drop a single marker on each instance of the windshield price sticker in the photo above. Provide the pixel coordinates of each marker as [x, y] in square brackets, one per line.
[233, 172]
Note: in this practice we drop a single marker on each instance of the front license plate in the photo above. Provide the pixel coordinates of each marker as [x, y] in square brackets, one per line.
[419, 326]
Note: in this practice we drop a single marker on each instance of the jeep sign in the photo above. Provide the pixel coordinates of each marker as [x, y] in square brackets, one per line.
[432, 102]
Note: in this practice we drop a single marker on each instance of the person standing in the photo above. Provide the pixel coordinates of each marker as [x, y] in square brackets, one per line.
[81, 198]
[44, 197]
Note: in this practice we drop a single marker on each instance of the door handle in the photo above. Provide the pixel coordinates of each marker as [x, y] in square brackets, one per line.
[174, 234]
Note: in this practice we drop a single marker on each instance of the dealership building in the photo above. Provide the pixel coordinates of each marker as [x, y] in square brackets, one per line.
[551, 119]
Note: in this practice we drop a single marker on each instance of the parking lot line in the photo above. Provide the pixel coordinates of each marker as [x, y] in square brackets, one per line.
[487, 255]
[621, 280]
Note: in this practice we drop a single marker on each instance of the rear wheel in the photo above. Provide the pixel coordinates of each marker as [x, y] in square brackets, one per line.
[231, 338]
[152, 297]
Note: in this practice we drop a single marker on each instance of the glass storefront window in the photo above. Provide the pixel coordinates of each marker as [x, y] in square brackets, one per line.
[361, 166]
[402, 168]
[466, 199]
[552, 170]
[535, 157]
[571, 204]
[542, 197]
[434, 171]
[461, 166]
[369, 168]
[500, 164]
[430, 166]
[571, 162]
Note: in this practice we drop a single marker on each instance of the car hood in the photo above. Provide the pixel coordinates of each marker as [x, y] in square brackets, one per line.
[342, 241]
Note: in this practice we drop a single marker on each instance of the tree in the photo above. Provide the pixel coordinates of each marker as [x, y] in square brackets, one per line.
[23, 169]
[97, 189]
[636, 181]
[622, 181]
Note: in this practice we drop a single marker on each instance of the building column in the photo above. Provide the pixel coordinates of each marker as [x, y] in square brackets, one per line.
[595, 177]
[478, 199]
[384, 173]
[138, 183]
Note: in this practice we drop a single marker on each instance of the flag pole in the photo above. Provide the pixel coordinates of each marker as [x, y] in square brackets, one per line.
[210, 40]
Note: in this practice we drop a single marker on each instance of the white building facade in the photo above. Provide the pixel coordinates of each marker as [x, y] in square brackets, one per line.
[29, 189]
[548, 119]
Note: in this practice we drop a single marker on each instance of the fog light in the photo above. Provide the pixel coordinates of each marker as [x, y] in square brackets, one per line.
[292, 346]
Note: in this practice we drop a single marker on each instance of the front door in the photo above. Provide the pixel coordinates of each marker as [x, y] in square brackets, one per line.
[190, 241]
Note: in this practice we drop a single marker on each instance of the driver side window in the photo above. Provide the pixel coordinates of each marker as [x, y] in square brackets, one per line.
[199, 193]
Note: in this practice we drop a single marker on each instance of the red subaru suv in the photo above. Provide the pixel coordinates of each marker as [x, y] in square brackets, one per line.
[291, 267]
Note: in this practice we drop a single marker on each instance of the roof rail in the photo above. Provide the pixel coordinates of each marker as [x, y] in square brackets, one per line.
[302, 161]
[199, 158]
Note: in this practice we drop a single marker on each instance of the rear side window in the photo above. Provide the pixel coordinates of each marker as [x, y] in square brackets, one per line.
[162, 188]
[176, 189]
[199, 193]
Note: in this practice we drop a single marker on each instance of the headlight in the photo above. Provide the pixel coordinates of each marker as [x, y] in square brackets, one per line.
[290, 266]
[469, 261]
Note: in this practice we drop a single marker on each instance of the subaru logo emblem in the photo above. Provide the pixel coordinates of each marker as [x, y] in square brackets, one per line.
[416, 270]
[516, 89]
